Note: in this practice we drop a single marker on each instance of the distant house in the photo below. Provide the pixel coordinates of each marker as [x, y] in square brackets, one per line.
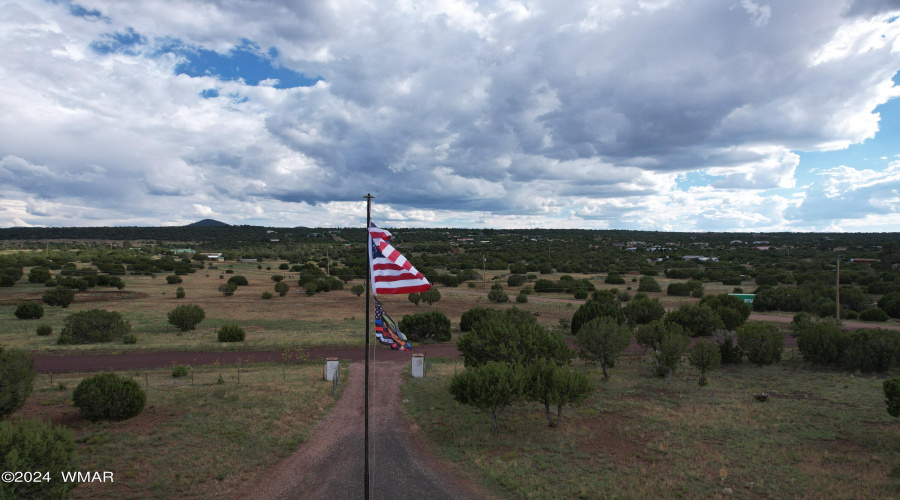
[184, 250]
[865, 261]
[619, 245]
[761, 242]
[840, 249]
[247, 260]
[269, 231]
[762, 248]
[276, 240]
[700, 258]
[213, 256]
[736, 242]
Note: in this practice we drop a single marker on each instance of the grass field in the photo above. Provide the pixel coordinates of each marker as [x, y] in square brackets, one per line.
[820, 434]
[199, 439]
[334, 318]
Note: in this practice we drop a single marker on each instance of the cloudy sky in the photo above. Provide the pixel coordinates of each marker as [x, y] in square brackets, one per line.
[682, 115]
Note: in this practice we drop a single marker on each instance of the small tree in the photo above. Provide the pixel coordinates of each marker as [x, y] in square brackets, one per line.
[277, 278]
[762, 343]
[414, 297]
[474, 315]
[358, 290]
[431, 296]
[603, 303]
[179, 293]
[602, 340]
[29, 310]
[614, 279]
[108, 396]
[281, 288]
[490, 387]
[227, 289]
[669, 356]
[522, 297]
[59, 296]
[310, 288]
[16, 381]
[173, 279]
[552, 384]
[186, 317]
[36, 445]
[705, 356]
[650, 336]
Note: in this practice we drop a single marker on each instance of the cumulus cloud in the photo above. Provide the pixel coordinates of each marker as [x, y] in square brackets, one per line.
[452, 113]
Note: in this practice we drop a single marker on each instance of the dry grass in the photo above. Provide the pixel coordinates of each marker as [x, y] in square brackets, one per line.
[193, 440]
[820, 434]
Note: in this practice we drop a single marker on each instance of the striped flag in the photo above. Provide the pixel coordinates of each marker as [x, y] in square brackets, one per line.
[387, 332]
[391, 272]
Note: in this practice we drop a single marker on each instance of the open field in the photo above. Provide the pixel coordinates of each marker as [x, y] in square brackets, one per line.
[194, 439]
[820, 434]
[334, 318]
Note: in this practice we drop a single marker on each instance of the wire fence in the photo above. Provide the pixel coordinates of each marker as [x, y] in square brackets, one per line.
[243, 374]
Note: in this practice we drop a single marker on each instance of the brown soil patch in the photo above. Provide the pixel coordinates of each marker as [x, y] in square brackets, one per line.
[80, 297]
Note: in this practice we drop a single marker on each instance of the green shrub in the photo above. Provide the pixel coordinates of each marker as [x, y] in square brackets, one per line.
[648, 284]
[678, 289]
[431, 325]
[238, 281]
[581, 294]
[310, 287]
[891, 389]
[498, 296]
[16, 381]
[93, 325]
[874, 314]
[614, 279]
[890, 304]
[59, 296]
[415, 298]
[227, 289]
[762, 344]
[179, 293]
[474, 315]
[513, 337]
[186, 317]
[179, 371]
[522, 297]
[108, 396]
[35, 445]
[229, 271]
[267, 295]
[515, 280]
[602, 303]
[44, 330]
[431, 296]
[870, 350]
[698, 320]
[39, 275]
[29, 310]
[822, 343]
[359, 290]
[277, 278]
[173, 279]
[231, 333]
[283, 266]
[129, 338]
[642, 310]
[705, 356]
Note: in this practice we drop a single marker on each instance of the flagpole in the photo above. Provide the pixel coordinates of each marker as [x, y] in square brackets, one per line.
[368, 198]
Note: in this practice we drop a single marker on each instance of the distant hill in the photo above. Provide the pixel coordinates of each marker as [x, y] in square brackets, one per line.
[208, 223]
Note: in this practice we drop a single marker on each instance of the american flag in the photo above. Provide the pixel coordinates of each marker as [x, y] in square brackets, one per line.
[387, 332]
[391, 272]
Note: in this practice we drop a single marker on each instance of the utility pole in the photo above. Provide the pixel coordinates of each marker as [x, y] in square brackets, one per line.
[483, 273]
[837, 291]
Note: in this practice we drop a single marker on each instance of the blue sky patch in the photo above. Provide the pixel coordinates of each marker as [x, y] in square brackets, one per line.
[245, 62]
[209, 93]
[125, 43]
